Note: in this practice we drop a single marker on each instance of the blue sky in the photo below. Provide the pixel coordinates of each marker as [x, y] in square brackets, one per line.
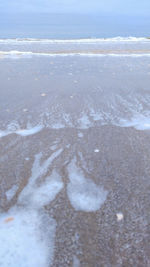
[127, 7]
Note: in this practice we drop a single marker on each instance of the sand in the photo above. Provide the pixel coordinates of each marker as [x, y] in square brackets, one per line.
[74, 161]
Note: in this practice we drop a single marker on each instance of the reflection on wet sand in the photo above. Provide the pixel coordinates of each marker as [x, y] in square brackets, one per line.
[74, 160]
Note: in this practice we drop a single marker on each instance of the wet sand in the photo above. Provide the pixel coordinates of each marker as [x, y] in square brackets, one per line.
[74, 161]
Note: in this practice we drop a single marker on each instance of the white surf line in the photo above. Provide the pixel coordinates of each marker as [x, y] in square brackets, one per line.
[29, 54]
[27, 233]
[83, 193]
[83, 40]
[22, 132]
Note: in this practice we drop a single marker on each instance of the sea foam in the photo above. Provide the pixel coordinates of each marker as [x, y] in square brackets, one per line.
[83, 40]
[22, 132]
[27, 232]
[83, 193]
[23, 242]
[29, 54]
[139, 122]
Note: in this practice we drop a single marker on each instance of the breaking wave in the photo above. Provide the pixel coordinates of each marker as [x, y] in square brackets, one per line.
[90, 40]
[18, 54]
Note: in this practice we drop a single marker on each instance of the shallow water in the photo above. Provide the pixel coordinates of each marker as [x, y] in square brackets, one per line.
[74, 152]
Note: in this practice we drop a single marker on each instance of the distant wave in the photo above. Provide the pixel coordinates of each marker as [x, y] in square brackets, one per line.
[90, 40]
[18, 54]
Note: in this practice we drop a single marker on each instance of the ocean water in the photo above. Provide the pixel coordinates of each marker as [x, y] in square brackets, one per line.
[119, 100]
[70, 26]
[74, 157]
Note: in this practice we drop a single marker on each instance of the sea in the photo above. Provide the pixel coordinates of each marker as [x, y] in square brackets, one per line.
[72, 26]
[74, 142]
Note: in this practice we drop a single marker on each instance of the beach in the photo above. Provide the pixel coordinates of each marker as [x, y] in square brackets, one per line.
[74, 152]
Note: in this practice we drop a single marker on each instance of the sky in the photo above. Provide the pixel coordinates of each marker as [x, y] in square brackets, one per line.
[126, 7]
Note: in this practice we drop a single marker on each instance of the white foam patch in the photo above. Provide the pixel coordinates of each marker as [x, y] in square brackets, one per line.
[67, 119]
[11, 192]
[39, 170]
[27, 233]
[84, 122]
[139, 122]
[31, 131]
[95, 115]
[13, 126]
[23, 242]
[39, 196]
[4, 133]
[22, 132]
[84, 194]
